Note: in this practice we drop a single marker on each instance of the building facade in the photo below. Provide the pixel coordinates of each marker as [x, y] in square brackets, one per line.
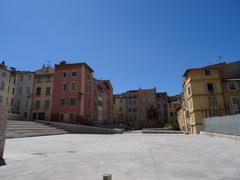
[102, 102]
[42, 93]
[119, 109]
[173, 103]
[131, 108]
[209, 91]
[162, 107]
[22, 103]
[7, 85]
[73, 93]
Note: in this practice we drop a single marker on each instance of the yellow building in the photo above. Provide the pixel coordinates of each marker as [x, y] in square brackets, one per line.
[209, 91]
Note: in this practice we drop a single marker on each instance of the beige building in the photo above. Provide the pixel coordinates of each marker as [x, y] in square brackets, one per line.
[209, 91]
[131, 108]
[42, 93]
[119, 109]
[7, 85]
[22, 103]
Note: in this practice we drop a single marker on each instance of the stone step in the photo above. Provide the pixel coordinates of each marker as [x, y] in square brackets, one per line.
[22, 135]
[34, 130]
[19, 129]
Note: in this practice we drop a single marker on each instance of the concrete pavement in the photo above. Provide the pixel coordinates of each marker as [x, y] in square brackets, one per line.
[125, 156]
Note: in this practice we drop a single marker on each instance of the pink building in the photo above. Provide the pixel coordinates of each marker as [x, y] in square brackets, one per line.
[73, 93]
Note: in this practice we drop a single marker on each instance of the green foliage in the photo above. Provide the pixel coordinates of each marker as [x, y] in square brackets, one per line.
[172, 125]
[152, 113]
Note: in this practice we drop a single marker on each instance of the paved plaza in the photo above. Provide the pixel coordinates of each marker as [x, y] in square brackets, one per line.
[126, 156]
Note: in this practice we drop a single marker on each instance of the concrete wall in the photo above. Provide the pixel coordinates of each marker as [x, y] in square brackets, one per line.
[223, 125]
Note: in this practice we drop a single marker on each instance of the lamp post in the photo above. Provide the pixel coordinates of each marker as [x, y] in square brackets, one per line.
[3, 127]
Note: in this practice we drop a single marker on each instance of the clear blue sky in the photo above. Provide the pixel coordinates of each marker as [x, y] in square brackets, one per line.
[134, 43]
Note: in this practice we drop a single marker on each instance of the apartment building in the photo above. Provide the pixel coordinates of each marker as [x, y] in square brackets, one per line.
[22, 103]
[119, 109]
[173, 103]
[209, 91]
[102, 102]
[42, 93]
[131, 108]
[162, 107]
[73, 93]
[7, 85]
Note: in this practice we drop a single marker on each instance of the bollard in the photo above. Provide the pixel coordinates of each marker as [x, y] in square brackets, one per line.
[107, 177]
[3, 127]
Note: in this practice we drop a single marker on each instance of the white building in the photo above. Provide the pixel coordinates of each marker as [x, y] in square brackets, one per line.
[23, 94]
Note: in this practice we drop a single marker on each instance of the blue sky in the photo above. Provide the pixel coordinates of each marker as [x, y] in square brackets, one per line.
[134, 43]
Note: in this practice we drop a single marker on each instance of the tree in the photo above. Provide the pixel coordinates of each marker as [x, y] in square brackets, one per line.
[152, 113]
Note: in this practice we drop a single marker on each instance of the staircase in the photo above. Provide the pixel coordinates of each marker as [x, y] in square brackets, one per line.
[17, 128]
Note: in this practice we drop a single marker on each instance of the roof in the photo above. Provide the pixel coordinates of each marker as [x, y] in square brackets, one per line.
[75, 64]
[204, 67]
[45, 71]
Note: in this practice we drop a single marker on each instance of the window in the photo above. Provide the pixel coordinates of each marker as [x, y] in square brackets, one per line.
[48, 90]
[129, 110]
[4, 74]
[73, 86]
[130, 102]
[13, 90]
[232, 86]
[64, 87]
[212, 101]
[38, 92]
[2, 87]
[210, 87]
[37, 104]
[72, 101]
[46, 104]
[171, 114]
[64, 74]
[189, 90]
[207, 72]
[235, 100]
[62, 102]
[74, 73]
[29, 77]
[28, 90]
[72, 117]
[20, 91]
[1, 99]
[39, 79]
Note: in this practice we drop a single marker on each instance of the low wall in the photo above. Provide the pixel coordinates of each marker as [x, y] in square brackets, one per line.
[224, 125]
[80, 129]
[3, 127]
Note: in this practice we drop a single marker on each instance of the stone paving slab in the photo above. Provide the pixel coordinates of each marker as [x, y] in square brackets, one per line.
[125, 156]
